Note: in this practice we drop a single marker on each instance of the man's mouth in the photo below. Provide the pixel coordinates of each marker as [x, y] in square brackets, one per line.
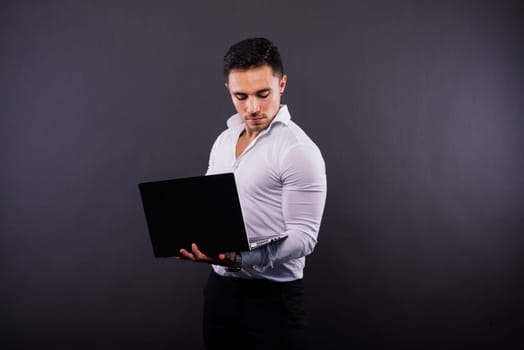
[255, 119]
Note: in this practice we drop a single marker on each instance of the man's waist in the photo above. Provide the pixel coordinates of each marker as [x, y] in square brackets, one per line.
[256, 285]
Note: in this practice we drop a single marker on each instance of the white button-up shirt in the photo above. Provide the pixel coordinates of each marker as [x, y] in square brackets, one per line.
[281, 181]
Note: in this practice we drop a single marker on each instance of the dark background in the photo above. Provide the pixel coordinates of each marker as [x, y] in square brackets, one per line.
[416, 106]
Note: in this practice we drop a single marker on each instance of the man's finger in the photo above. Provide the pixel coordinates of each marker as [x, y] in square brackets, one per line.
[197, 253]
[187, 254]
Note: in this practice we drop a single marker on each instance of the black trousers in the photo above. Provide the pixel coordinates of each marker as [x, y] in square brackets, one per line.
[253, 313]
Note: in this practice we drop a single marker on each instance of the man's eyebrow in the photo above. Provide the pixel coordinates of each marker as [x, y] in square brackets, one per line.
[261, 91]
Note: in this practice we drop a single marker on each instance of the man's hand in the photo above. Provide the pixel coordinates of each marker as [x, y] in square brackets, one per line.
[224, 259]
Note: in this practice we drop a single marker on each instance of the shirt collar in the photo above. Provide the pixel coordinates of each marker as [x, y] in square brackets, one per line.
[282, 116]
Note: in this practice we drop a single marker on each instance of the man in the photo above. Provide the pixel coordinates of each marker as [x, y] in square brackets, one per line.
[255, 299]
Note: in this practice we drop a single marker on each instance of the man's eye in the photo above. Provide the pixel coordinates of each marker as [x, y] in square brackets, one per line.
[263, 95]
[241, 97]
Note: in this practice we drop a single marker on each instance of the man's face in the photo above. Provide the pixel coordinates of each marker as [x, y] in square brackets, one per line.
[256, 95]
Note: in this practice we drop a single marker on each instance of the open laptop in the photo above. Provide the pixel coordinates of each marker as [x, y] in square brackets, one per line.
[202, 209]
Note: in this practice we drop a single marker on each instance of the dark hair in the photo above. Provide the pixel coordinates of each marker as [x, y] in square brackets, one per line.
[253, 53]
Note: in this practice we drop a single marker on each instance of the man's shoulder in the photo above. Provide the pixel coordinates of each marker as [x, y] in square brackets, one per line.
[293, 134]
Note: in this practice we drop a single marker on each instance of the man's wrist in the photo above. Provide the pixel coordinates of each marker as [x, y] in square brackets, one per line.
[237, 263]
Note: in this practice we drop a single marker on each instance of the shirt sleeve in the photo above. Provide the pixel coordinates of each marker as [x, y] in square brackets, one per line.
[304, 189]
[211, 162]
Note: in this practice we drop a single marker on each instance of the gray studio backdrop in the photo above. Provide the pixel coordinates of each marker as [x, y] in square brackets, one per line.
[416, 106]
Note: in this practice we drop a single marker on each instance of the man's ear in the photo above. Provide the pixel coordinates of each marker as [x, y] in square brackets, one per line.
[283, 83]
[226, 85]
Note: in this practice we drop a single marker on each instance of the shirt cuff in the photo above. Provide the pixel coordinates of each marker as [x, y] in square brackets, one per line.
[252, 258]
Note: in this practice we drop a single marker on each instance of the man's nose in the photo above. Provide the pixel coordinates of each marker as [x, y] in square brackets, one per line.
[252, 105]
